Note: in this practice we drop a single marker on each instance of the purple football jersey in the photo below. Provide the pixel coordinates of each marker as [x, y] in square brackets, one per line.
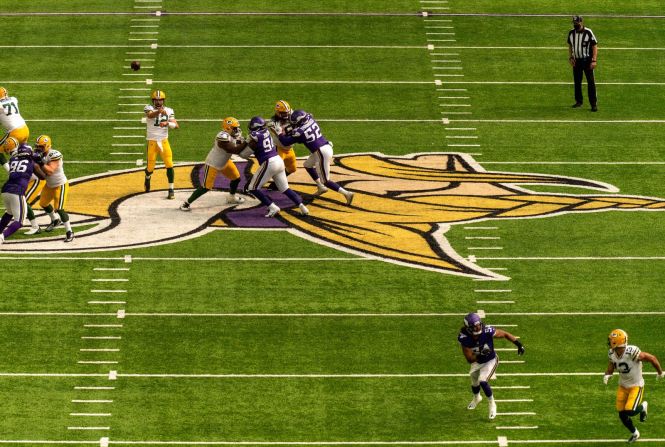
[483, 346]
[265, 147]
[20, 171]
[308, 134]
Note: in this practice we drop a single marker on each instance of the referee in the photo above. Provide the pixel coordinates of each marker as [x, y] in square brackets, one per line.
[582, 53]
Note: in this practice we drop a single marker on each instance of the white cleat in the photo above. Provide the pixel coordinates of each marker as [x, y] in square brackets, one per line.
[33, 230]
[634, 437]
[273, 210]
[235, 199]
[474, 403]
[303, 209]
[185, 206]
[320, 189]
[492, 409]
[349, 197]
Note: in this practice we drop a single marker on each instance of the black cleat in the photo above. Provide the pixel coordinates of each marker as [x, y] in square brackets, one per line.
[171, 194]
[594, 108]
[576, 105]
[52, 225]
[69, 237]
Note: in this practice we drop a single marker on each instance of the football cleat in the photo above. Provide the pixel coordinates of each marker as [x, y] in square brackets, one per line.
[282, 109]
[185, 206]
[643, 413]
[43, 144]
[349, 197]
[492, 414]
[618, 338]
[634, 437]
[33, 230]
[320, 189]
[477, 398]
[52, 225]
[257, 123]
[146, 184]
[69, 236]
[303, 209]
[273, 210]
[231, 126]
[171, 194]
[235, 199]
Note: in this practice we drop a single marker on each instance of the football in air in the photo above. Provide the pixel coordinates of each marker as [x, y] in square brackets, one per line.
[135, 65]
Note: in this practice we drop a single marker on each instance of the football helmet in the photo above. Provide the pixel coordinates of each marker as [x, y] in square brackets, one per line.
[618, 338]
[257, 123]
[43, 143]
[3, 93]
[23, 151]
[473, 323]
[298, 117]
[283, 109]
[10, 145]
[158, 95]
[231, 126]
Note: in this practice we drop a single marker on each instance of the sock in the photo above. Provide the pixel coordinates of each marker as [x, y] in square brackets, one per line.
[261, 196]
[148, 174]
[312, 173]
[31, 216]
[295, 198]
[198, 192]
[486, 388]
[475, 389]
[11, 229]
[4, 221]
[170, 175]
[68, 226]
[49, 210]
[627, 421]
[233, 186]
[64, 217]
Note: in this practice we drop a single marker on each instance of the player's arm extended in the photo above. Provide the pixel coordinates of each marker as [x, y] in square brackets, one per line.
[500, 333]
[39, 172]
[232, 147]
[646, 357]
[50, 167]
[287, 140]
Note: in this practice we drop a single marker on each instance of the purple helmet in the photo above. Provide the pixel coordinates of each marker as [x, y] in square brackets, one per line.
[23, 151]
[257, 123]
[472, 321]
[298, 117]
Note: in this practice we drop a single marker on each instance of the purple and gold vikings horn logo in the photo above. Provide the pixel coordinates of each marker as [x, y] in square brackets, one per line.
[402, 209]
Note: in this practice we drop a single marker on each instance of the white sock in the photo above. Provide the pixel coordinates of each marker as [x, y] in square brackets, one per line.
[171, 186]
[68, 226]
[52, 216]
[33, 223]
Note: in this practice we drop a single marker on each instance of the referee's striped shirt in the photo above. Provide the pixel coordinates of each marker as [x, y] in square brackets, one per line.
[582, 42]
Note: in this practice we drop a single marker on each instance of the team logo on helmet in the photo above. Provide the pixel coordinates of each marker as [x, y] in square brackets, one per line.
[158, 94]
[43, 143]
[231, 126]
[10, 145]
[402, 210]
[282, 109]
[618, 338]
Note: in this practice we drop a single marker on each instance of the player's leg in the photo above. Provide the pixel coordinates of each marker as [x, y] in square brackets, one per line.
[151, 159]
[325, 159]
[45, 199]
[310, 166]
[15, 206]
[283, 186]
[167, 157]
[32, 192]
[624, 405]
[230, 171]
[289, 157]
[260, 177]
[209, 175]
[487, 370]
[61, 194]
[475, 386]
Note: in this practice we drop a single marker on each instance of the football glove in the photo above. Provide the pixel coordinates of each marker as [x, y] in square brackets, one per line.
[520, 347]
[606, 378]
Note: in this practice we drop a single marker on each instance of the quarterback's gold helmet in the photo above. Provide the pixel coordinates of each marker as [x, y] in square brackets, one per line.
[617, 339]
[3, 93]
[158, 94]
[10, 145]
[282, 109]
[231, 126]
[43, 143]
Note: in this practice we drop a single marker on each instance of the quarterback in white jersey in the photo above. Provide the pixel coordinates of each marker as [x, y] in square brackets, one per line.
[627, 360]
[227, 142]
[159, 119]
[53, 198]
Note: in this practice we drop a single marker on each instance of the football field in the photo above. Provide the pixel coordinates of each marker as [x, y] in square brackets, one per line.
[477, 189]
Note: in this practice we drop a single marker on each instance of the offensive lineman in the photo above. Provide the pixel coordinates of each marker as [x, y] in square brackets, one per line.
[13, 123]
[627, 359]
[159, 119]
[229, 141]
[477, 342]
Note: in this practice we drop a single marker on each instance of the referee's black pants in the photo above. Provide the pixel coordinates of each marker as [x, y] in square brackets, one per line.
[583, 67]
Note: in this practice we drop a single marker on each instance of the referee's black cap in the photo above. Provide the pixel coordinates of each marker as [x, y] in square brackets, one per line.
[578, 19]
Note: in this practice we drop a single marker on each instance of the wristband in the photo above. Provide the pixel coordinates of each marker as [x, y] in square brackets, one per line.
[171, 125]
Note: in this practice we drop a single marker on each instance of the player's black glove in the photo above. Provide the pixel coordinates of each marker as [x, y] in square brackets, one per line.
[520, 347]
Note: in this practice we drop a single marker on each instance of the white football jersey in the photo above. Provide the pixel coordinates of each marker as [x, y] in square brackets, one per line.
[278, 127]
[629, 366]
[154, 131]
[217, 157]
[10, 117]
[58, 177]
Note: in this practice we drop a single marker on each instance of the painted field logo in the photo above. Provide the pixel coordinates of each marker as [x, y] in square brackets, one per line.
[402, 209]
